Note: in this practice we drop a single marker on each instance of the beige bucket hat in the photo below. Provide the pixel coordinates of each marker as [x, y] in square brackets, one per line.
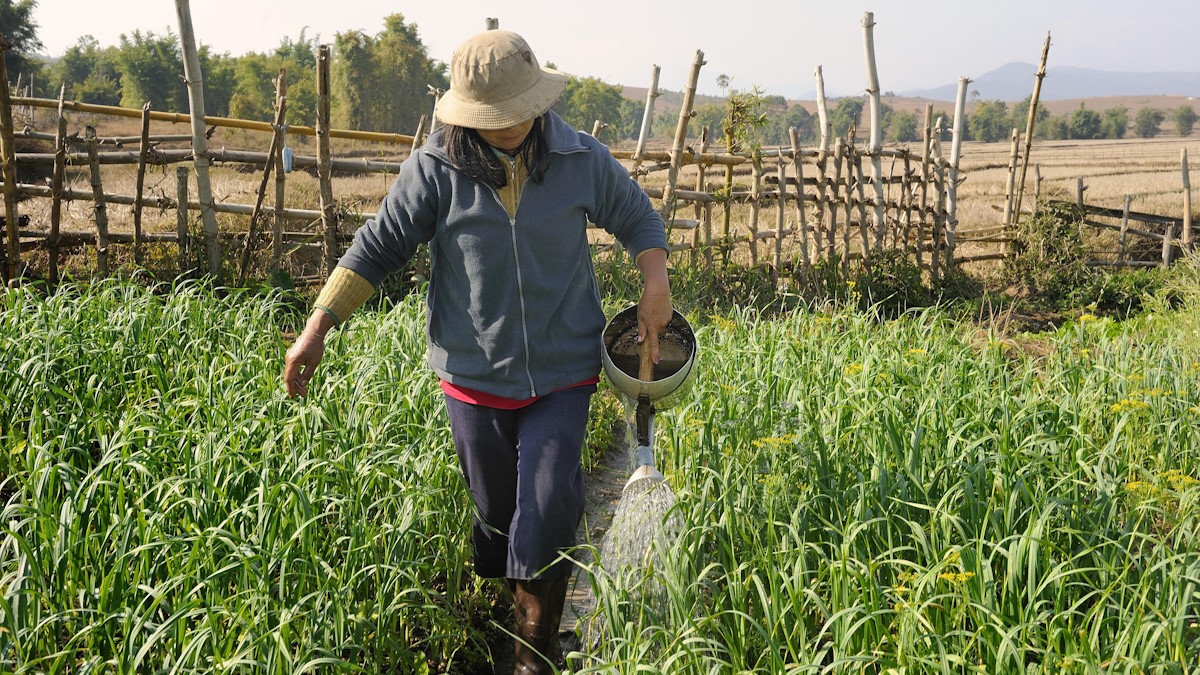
[496, 83]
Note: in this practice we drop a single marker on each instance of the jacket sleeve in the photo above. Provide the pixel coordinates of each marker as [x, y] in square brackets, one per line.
[406, 219]
[622, 207]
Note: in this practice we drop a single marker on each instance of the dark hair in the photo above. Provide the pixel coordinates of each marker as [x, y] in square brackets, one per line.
[472, 155]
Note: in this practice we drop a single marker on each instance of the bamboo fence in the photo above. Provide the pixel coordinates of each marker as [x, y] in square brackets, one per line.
[837, 202]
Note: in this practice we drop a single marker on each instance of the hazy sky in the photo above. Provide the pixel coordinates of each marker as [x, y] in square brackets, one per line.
[774, 44]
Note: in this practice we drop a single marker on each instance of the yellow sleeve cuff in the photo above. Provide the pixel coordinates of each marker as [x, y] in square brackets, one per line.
[652, 248]
[344, 292]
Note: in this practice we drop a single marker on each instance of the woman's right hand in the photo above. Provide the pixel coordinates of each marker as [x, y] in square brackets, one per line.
[305, 354]
[301, 362]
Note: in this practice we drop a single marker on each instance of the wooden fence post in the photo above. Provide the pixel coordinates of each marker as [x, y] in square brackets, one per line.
[56, 185]
[1012, 177]
[685, 112]
[822, 157]
[906, 202]
[1166, 247]
[1187, 201]
[1122, 252]
[703, 210]
[781, 174]
[864, 227]
[755, 196]
[9, 157]
[939, 201]
[98, 197]
[925, 177]
[876, 139]
[280, 178]
[835, 188]
[143, 153]
[418, 133]
[802, 222]
[1033, 104]
[955, 154]
[181, 218]
[848, 164]
[328, 217]
[195, 87]
[261, 194]
[647, 118]
[1079, 188]
[1037, 191]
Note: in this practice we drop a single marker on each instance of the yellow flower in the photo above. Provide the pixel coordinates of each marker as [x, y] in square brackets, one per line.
[915, 352]
[1087, 317]
[956, 577]
[1178, 480]
[853, 369]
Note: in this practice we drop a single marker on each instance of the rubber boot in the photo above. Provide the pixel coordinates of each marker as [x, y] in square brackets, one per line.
[537, 610]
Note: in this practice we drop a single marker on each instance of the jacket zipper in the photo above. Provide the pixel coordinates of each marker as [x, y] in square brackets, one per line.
[512, 226]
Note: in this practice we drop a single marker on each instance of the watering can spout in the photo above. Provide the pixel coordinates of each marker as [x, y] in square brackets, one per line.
[645, 471]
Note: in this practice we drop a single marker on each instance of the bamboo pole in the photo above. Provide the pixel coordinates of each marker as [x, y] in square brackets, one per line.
[876, 139]
[261, 193]
[181, 218]
[101, 208]
[1123, 251]
[1187, 201]
[328, 217]
[755, 206]
[647, 118]
[1012, 177]
[960, 118]
[926, 145]
[1168, 241]
[223, 122]
[685, 113]
[308, 215]
[848, 163]
[802, 222]
[143, 152]
[864, 227]
[702, 210]
[1033, 104]
[906, 197]
[781, 174]
[56, 185]
[822, 158]
[419, 133]
[9, 157]
[195, 86]
[939, 209]
[832, 203]
[280, 175]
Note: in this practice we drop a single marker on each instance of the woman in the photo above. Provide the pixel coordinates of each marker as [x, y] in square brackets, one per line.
[503, 193]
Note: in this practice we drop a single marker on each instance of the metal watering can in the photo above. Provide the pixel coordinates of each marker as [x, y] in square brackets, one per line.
[652, 386]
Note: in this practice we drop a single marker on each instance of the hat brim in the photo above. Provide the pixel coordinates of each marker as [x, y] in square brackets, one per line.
[453, 109]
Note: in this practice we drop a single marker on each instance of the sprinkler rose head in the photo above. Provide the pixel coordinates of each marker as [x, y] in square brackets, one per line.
[645, 475]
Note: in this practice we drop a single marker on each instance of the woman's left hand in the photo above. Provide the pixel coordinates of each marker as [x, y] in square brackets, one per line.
[654, 309]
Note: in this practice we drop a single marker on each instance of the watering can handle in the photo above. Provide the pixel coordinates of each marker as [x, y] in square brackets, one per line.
[646, 363]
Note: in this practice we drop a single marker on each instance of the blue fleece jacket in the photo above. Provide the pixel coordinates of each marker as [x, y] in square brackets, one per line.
[513, 307]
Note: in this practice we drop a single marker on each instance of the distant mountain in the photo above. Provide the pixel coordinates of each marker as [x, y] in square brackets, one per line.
[1014, 82]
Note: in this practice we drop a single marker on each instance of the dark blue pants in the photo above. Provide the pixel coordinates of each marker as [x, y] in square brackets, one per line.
[523, 469]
